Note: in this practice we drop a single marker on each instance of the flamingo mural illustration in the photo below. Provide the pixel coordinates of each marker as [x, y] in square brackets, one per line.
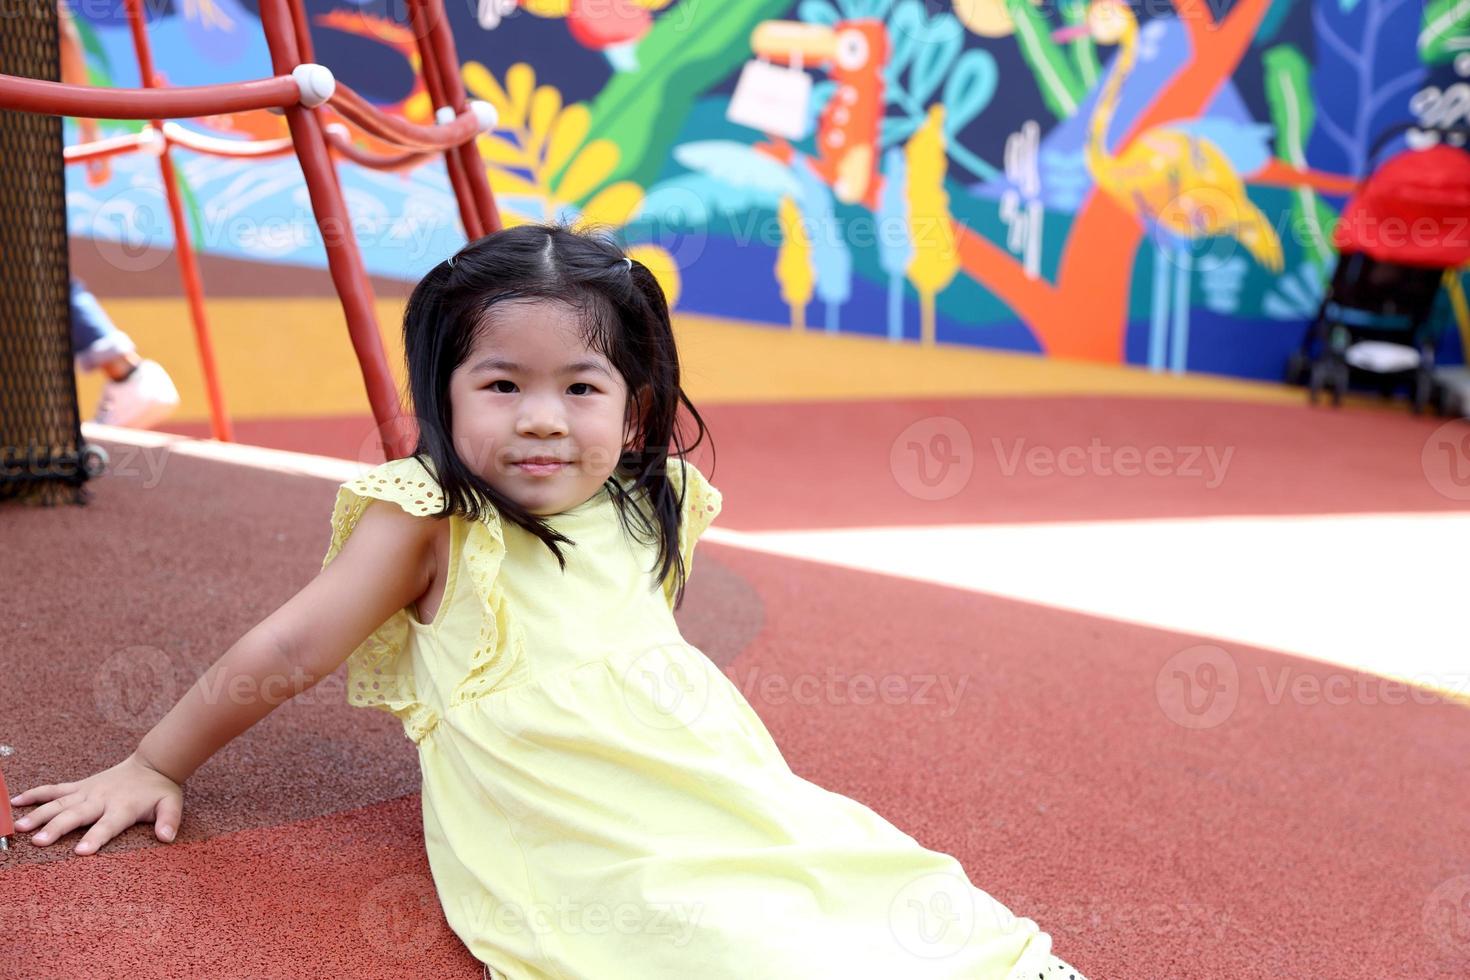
[1175, 180]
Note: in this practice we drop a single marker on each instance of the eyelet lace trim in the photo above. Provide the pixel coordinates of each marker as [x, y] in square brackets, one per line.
[499, 657]
[380, 670]
[702, 504]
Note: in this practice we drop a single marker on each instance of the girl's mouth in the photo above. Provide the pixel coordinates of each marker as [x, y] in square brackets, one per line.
[539, 469]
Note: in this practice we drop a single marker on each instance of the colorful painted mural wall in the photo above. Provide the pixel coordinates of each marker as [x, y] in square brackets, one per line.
[1153, 183]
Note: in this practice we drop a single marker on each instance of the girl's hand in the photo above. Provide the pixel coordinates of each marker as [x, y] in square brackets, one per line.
[112, 801]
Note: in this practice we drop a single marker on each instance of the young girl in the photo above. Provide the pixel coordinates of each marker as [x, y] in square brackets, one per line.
[599, 801]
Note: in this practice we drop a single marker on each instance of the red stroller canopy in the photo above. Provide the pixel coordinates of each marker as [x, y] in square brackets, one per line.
[1414, 210]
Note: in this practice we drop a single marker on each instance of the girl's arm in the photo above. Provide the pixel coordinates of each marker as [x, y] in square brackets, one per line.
[386, 564]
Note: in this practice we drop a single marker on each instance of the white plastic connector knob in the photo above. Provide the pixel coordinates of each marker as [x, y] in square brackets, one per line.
[151, 141]
[340, 130]
[315, 82]
[485, 113]
[444, 115]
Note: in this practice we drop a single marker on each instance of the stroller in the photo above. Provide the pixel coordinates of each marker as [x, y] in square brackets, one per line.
[1405, 229]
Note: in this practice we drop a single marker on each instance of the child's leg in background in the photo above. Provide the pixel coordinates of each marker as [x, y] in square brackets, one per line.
[95, 339]
[139, 392]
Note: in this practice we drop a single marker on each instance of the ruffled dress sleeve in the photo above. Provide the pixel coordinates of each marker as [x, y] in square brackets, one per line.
[702, 503]
[380, 670]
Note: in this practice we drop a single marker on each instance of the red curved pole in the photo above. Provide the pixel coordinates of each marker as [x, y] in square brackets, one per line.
[344, 147]
[443, 43]
[469, 216]
[61, 99]
[219, 418]
[304, 48]
[343, 258]
[395, 130]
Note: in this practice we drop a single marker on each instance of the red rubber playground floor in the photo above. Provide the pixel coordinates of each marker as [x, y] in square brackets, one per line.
[1113, 693]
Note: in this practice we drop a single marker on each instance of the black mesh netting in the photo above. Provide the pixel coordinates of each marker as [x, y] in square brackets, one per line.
[40, 431]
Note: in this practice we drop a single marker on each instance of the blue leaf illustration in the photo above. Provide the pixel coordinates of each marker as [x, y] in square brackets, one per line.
[817, 12]
[1367, 69]
[935, 56]
[830, 254]
[968, 89]
[906, 30]
[895, 248]
[896, 129]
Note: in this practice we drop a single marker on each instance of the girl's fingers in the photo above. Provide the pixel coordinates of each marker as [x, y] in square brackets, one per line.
[102, 831]
[41, 814]
[167, 816]
[66, 821]
[40, 794]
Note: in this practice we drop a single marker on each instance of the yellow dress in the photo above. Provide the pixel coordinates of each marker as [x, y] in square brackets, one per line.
[601, 803]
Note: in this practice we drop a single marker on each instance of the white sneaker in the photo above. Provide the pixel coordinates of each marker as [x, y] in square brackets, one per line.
[142, 399]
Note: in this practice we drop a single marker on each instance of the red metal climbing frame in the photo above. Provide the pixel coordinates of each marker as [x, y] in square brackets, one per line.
[299, 87]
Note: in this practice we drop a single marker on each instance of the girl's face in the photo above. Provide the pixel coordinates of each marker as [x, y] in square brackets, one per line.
[531, 388]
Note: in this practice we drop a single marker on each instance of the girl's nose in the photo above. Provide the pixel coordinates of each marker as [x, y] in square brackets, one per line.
[542, 423]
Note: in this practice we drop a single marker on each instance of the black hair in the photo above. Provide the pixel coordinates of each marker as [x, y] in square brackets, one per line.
[624, 316]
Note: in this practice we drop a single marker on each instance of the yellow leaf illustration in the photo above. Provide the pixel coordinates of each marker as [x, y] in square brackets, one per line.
[479, 81]
[547, 8]
[511, 185]
[794, 262]
[614, 205]
[591, 168]
[936, 257]
[568, 133]
[664, 269]
[494, 149]
[544, 109]
[520, 79]
[535, 138]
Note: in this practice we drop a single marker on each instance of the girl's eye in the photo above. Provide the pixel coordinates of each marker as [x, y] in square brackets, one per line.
[495, 386]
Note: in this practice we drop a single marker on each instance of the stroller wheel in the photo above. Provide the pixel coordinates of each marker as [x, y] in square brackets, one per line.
[1314, 383]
